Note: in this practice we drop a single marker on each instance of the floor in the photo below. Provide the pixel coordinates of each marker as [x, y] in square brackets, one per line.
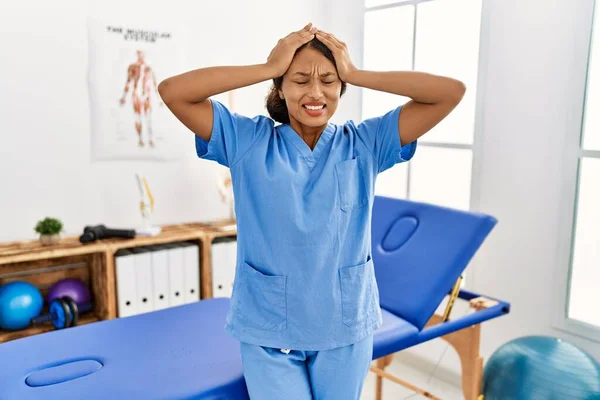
[394, 391]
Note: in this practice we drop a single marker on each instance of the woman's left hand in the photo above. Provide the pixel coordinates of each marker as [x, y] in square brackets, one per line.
[340, 52]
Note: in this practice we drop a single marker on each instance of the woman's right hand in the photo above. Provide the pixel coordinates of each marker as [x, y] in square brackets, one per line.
[282, 54]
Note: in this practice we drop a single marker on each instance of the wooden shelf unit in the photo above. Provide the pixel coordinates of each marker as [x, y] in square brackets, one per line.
[94, 264]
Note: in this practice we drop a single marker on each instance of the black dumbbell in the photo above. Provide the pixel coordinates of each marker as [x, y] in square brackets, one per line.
[63, 312]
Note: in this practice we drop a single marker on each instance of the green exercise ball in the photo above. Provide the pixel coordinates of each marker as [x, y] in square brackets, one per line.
[541, 368]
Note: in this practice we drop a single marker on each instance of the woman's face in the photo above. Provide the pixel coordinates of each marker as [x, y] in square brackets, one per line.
[311, 88]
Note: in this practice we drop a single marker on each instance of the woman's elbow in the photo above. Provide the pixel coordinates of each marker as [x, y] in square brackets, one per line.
[461, 89]
[163, 89]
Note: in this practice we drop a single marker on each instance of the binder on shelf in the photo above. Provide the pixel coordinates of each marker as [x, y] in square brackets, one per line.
[176, 274]
[143, 277]
[160, 276]
[191, 271]
[223, 265]
[230, 266]
[126, 283]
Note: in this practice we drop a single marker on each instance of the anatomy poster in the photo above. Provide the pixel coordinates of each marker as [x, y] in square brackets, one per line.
[129, 121]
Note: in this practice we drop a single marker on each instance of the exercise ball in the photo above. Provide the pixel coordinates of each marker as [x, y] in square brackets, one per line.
[19, 303]
[69, 287]
[541, 368]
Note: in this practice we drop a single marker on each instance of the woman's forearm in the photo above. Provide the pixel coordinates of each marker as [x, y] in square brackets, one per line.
[200, 84]
[419, 86]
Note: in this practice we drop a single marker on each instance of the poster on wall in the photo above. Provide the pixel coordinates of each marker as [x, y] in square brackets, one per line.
[127, 61]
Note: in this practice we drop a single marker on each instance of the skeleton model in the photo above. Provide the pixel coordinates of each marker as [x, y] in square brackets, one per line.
[226, 191]
[146, 208]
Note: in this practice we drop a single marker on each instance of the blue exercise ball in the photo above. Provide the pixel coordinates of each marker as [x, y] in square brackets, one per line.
[541, 367]
[19, 303]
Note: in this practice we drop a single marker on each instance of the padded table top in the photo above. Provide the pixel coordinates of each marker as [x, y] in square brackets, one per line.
[176, 353]
[395, 333]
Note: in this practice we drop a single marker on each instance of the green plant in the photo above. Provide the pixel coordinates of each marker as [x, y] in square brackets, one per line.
[49, 226]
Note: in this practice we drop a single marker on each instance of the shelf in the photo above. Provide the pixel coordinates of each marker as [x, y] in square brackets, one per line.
[94, 264]
[5, 336]
[31, 250]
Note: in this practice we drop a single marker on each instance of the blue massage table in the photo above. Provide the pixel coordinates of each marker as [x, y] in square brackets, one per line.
[183, 352]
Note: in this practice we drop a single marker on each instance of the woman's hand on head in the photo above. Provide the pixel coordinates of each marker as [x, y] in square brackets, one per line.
[282, 54]
[340, 52]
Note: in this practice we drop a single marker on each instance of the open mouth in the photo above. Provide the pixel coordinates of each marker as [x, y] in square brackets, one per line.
[314, 107]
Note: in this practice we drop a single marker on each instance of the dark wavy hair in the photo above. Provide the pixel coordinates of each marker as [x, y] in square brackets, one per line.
[276, 105]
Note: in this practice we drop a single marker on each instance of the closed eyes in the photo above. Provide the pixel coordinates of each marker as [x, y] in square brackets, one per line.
[304, 83]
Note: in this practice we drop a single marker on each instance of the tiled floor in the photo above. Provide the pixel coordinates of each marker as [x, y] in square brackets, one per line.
[394, 391]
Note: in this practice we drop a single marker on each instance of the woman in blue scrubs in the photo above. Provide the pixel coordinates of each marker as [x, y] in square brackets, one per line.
[305, 302]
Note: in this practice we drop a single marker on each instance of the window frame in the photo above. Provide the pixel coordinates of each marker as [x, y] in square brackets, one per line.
[476, 147]
[571, 160]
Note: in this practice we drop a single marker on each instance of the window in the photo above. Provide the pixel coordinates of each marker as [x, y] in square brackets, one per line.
[427, 38]
[583, 296]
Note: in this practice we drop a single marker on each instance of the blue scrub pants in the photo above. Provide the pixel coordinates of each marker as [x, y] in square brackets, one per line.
[336, 374]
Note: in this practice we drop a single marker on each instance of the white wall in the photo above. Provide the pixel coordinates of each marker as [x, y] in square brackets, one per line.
[531, 91]
[45, 167]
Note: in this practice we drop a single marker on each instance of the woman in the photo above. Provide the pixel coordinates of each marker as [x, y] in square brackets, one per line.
[305, 302]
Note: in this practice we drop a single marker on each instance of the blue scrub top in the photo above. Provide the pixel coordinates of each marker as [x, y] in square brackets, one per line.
[304, 275]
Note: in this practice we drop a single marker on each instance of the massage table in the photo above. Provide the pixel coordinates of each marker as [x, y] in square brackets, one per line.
[420, 252]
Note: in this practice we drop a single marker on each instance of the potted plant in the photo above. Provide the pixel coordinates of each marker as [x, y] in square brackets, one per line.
[49, 230]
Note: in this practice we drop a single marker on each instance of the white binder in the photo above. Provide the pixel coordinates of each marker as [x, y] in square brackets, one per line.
[143, 277]
[191, 267]
[231, 266]
[126, 283]
[217, 261]
[176, 274]
[160, 276]
[223, 264]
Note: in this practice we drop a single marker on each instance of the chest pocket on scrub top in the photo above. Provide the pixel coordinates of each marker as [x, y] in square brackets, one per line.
[351, 184]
